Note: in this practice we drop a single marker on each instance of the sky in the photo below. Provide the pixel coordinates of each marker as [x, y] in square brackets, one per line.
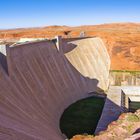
[36, 13]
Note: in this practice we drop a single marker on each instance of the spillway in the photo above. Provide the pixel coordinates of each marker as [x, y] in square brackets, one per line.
[42, 79]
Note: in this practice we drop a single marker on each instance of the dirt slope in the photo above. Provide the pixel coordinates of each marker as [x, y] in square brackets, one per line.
[122, 40]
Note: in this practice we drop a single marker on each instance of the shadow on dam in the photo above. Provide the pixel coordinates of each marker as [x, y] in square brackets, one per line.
[43, 82]
[82, 116]
[3, 62]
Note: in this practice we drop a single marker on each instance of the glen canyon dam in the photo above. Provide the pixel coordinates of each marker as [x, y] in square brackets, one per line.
[40, 78]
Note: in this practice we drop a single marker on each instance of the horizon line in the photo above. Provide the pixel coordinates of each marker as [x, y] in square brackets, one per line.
[49, 25]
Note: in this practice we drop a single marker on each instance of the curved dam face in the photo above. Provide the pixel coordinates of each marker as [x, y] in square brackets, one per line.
[43, 79]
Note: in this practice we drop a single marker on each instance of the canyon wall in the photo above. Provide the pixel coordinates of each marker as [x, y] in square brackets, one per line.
[42, 80]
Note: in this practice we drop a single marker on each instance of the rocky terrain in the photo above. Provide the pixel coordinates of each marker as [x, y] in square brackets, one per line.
[123, 45]
[127, 127]
[122, 40]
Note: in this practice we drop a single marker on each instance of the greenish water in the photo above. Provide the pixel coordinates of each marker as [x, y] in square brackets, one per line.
[82, 116]
[133, 106]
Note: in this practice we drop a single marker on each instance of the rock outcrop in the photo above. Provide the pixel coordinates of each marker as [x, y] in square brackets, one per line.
[127, 127]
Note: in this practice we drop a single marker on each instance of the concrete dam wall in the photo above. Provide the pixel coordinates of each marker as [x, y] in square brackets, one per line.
[131, 78]
[43, 79]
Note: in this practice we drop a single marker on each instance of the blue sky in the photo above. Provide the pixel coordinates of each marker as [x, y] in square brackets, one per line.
[34, 13]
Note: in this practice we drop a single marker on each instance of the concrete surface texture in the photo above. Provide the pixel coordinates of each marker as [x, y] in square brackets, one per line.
[129, 90]
[112, 109]
[132, 93]
[116, 103]
[91, 61]
[125, 78]
[42, 81]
